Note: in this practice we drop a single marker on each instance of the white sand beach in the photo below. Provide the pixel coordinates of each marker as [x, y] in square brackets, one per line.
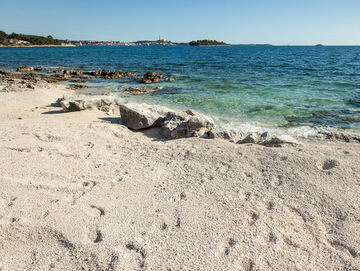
[79, 191]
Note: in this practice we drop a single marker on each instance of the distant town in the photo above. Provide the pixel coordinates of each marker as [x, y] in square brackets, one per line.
[21, 40]
[159, 42]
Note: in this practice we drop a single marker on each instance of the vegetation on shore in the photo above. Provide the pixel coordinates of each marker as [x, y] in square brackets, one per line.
[27, 40]
[207, 43]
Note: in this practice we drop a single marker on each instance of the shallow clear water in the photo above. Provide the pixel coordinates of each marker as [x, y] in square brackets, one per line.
[299, 89]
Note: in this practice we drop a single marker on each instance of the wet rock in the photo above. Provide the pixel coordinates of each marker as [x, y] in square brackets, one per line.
[78, 103]
[74, 73]
[25, 69]
[92, 73]
[77, 80]
[57, 78]
[151, 77]
[128, 73]
[76, 86]
[54, 71]
[138, 90]
[108, 74]
[68, 72]
[142, 116]
[39, 69]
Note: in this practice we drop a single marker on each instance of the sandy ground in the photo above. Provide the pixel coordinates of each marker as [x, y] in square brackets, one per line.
[79, 191]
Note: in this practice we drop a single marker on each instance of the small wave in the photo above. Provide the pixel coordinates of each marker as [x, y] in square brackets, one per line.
[305, 132]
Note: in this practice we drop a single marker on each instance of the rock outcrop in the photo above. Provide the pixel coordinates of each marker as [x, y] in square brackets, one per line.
[76, 73]
[142, 116]
[25, 69]
[76, 86]
[176, 123]
[138, 90]
[54, 71]
[57, 78]
[266, 139]
[250, 138]
[338, 137]
[186, 125]
[77, 103]
[278, 141]
[109, 74]
[19, 85]
[226, 132]
[151, 77]
[39, 69]
[17, 81]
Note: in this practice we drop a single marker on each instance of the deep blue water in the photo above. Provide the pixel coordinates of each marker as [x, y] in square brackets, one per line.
[299, 89]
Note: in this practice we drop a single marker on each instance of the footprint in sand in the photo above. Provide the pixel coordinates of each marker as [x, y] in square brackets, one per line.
[225, 246]
[96, 211]
[140, 251]
[99, 237]
[253, 218]
[94, 235]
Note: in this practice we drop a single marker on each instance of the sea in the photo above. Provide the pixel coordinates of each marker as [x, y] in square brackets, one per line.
[298, 90]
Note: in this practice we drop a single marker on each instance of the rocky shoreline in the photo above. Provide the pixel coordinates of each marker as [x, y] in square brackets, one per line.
[176, 123]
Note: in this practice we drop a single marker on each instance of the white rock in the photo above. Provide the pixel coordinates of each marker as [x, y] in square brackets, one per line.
[281, 140]
[140, 116]
[78, 103]
[182, 124]
[251, 138]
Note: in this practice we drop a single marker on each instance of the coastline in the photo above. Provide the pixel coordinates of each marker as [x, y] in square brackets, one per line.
[80, 190]
[77, 79]
[35, 46]
[233, 96]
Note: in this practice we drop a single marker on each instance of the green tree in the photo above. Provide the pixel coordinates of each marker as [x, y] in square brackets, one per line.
[3, 37]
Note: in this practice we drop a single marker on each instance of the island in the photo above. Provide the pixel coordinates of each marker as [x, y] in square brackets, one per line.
[208, 43]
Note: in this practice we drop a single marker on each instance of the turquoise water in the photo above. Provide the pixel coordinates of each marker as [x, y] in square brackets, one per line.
[298, 89]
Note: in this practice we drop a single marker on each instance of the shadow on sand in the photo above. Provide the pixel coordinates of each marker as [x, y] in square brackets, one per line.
[155, 133]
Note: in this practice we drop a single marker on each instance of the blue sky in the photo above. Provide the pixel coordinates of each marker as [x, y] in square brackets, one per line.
[280, 22]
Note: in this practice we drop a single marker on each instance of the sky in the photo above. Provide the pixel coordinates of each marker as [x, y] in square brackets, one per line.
[278, 22]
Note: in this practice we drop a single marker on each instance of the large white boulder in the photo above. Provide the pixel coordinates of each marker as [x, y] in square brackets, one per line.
[141, 116]
[176, 123]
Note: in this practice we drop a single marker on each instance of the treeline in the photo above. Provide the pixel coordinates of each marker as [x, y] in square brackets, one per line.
[206, 43]
[20, 39]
